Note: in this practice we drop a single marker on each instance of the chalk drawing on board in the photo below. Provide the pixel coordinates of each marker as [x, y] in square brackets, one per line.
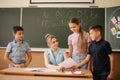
[55, 21]
[45, 15]
[44, 23]
[79, 13]
[58, 14]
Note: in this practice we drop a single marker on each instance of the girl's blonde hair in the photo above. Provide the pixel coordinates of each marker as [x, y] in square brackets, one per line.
[49, 37]
[81, 31]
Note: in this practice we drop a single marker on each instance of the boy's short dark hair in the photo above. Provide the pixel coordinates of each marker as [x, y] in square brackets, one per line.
[17, 28]
[96, 28]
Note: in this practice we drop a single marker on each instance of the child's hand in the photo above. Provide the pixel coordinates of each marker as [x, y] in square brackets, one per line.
[22, 65]
[73, 68]
[17, 66]
[110, 76]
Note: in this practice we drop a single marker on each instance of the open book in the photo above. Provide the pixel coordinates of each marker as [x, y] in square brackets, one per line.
[68, 63]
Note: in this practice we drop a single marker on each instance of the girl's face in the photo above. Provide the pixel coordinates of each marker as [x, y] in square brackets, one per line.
[74, 27]
[19, 35]
[54, 43]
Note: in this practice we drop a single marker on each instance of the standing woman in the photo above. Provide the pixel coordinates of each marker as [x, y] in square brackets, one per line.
[54, 55]
[78, 42]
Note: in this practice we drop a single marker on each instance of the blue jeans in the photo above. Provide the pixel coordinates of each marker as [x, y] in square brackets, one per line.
[80, 58]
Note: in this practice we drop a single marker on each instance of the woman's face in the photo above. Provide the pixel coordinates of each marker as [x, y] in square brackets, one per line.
[74, 27]
[54, 43]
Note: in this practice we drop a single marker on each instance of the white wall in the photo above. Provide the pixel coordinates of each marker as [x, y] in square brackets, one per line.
[26, 3]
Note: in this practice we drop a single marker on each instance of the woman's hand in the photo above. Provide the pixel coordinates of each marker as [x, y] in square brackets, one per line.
[60, 68]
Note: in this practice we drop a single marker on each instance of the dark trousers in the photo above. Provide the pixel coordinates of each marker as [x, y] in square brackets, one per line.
[100, 76]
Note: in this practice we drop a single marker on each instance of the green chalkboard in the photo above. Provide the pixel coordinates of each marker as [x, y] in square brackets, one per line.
[39, 21]
[8, 18]
[113, 39]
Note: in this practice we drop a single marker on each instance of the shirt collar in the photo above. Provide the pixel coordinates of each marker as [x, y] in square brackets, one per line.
[99, 41]
[22, 41]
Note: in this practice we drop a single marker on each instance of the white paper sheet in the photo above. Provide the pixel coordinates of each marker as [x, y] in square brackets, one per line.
[31, 69]
[68, 63]
[76, 72]
[41, 69]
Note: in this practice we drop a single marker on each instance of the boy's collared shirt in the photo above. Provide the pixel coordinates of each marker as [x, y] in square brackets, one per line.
[18, 51]
[99, 52]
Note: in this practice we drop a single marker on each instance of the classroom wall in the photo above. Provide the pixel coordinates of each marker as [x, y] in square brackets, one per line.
[26, 3]
[38, 60]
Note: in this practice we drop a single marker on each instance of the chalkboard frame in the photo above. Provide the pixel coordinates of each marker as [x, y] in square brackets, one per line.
[60, 1]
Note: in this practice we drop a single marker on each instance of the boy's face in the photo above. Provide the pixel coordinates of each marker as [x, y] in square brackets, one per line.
[19, 35]
[94, 35]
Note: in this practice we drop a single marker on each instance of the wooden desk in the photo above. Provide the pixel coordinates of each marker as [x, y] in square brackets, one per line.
[21, 74]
